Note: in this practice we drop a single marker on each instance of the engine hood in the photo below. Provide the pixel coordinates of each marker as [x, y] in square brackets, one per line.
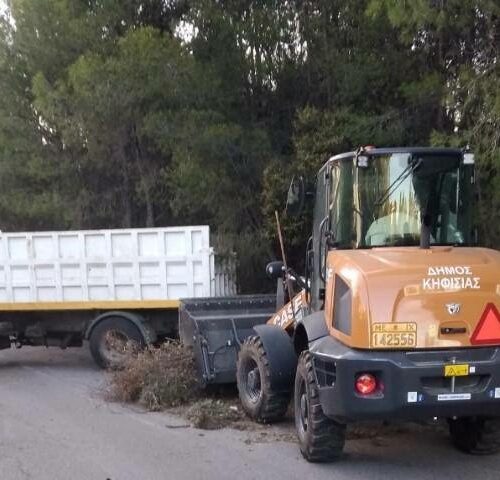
[438, 296]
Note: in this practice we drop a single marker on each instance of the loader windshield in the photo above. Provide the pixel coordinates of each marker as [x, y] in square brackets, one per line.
[383, 203]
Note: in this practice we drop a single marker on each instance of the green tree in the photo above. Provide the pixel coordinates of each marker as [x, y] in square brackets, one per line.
[116, 110]
[72, 65]
[32, 176]
[457, 42]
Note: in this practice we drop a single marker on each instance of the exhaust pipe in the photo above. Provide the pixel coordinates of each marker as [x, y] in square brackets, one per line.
[425, 232]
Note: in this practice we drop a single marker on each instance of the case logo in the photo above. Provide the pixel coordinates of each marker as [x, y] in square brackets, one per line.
[453, 308]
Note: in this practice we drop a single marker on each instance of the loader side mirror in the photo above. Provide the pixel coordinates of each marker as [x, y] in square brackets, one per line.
[275, 270]
[296, 197]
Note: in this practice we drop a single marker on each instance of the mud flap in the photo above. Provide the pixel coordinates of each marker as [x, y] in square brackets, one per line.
[281, 355]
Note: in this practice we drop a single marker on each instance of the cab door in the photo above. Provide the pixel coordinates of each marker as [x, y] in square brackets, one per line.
[320, 227]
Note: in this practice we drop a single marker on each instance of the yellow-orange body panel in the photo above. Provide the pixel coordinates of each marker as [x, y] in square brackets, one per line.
[436, 288]
[90, 305]
[291, 312]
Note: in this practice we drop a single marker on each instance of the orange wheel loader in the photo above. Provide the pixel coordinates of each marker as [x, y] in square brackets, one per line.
[396, 317]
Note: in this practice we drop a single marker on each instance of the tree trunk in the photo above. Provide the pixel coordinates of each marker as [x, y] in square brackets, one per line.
[127, 202]
[145, 180]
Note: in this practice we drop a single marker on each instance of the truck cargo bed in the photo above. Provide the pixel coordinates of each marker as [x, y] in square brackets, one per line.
[131, 268]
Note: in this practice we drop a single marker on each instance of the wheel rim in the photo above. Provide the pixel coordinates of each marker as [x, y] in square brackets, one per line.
[252, 380]
[302, 409]
[114, 346]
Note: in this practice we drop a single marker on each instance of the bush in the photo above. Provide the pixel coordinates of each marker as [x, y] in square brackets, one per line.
[157, 377]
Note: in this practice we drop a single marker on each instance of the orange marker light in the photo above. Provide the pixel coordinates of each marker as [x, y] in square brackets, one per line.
[488, 328]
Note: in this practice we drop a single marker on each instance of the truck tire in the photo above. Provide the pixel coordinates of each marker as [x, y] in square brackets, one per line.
[253, 377]
[476, 435]
[117, 329]
[321, 439]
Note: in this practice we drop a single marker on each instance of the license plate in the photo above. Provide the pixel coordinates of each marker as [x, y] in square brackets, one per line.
[394, 335]
[456, 370]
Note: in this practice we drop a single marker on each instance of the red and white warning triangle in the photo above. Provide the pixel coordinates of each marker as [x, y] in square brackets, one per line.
[488, 328]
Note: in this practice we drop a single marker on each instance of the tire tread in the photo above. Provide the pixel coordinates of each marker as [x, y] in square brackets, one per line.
[324, 441]
[274, 404]
[476, 435]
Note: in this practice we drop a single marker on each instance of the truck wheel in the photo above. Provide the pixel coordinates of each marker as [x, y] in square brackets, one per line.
[108, 341]
[476, 435]
[253, 377]
[320, 438]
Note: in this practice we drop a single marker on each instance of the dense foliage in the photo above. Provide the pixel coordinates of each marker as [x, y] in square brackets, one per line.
[159, 112]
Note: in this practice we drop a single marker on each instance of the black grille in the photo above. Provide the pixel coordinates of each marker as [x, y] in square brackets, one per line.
[342, 306]
[466, 384]
[326, 373]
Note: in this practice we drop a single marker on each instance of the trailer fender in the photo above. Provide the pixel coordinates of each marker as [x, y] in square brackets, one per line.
[308, 330]
[280, 353]
[146, 330]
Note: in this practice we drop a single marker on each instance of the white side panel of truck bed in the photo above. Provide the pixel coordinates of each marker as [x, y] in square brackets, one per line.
[136, 265]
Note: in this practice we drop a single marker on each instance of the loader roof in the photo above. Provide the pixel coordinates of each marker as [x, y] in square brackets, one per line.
[391, 150]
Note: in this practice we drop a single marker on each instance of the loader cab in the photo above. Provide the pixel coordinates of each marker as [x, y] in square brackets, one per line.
[390, 198]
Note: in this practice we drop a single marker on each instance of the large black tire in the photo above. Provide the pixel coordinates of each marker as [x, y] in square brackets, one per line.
[321, 439]
[476, 435]
[121, 330]
[253, 377]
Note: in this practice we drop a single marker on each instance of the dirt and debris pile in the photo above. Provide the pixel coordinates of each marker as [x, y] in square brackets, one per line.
[165, 378]
[156, 378]
[213, 414]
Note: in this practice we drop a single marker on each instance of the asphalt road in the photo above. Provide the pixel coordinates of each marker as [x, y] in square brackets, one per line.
[55, 425]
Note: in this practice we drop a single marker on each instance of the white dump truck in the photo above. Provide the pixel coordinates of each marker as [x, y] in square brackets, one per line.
[105, 286]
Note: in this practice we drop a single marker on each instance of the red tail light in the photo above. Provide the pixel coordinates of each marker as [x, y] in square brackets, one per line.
[366, 384]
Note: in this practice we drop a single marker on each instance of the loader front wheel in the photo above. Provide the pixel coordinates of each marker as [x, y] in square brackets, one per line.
[253, 376]
[476, 435]
[321, 439]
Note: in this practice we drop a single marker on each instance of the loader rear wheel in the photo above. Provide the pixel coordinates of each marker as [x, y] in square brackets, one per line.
[476, 435]
[109, 340]
[321, 439]
[253, 376]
